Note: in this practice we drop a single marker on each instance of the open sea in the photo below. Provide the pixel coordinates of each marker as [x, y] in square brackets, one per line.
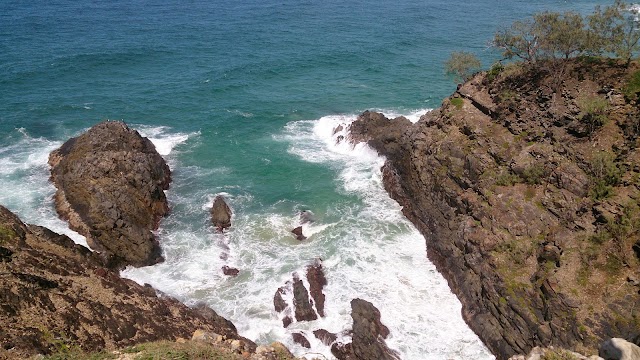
[241, 98]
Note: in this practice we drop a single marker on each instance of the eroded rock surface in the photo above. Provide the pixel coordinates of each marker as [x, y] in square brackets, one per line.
[110, 183]
[53, 291]
[518, 214]
[220, 213]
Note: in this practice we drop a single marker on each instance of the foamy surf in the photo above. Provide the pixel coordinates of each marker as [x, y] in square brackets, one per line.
[369, 250]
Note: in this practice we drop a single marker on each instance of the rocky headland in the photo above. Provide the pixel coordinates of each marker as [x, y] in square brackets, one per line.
[55, 294]
[110, 183]
[525, 184]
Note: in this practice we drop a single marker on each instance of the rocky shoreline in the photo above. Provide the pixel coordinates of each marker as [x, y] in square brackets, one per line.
[57, 296]
[504, 182]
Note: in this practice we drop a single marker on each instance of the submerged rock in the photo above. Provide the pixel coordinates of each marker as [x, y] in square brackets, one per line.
[325, 336]
[229, 271]
[110, 183]
[300, 339]
[53, 287]
[220, 213]
[298, 233]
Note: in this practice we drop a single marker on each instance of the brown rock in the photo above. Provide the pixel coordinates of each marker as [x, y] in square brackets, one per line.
[229, 271]
[298, 338]
[278, 302]
[220, 213]
[303, 308]
[298, 233]
[368, 332]
[326, 337]
[110, 183]
[54, 286]
[317, 281]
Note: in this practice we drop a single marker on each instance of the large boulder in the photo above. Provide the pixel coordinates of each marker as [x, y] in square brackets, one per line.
[220, 213]
[619, 349]
[54, 292]
[110, 183]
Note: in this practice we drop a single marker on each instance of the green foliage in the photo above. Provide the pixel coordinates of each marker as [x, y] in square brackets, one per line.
[614, 29]
[534, 174]
[553, 35]
[632, 88]
[161, 350]
[507, 178]
[461, 65]
[558, 354]
[605, 174]
[457, 102]
[593, 111]
[6, 233]
[495, 70]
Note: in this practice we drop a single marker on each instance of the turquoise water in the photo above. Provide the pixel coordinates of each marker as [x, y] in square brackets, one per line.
[241, 98]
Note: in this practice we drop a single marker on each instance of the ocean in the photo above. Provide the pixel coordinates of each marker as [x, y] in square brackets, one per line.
[241, 98]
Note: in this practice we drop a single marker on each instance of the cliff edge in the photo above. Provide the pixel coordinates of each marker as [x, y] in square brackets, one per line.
[525, 184]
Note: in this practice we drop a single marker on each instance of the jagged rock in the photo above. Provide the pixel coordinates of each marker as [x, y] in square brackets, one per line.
[220, 213]
[54, 287]
[619, 349]
[303, 308]
[343, 351]
[286, 321]
[368, 332]
[326, 337]
[206, 337]
[298, 233]
[278, 302]
[299, 338]
[110, 183]
[229, 271]
[367, 336]
[317, 280]
[491, 182]
[337, 129]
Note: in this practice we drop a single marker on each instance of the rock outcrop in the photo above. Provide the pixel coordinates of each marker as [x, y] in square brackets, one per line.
[526, 216]
[54, 292]
[302, 307]
[220, 213]
[110, 183]
[367, 337]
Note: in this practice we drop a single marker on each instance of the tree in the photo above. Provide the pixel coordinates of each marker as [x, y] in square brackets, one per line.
[560, 35]
[518, 41]
[461, 65]
[614, 29]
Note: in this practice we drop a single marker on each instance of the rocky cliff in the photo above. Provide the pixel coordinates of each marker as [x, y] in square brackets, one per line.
[56, 295]
[110, 183]
[525, 184]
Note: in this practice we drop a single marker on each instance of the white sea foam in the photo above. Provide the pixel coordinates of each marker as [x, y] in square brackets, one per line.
[369, 251]
[163, 137]
[24, 178]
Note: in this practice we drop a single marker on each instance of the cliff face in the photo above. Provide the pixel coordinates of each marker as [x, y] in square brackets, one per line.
[525, 185]
[55, 293]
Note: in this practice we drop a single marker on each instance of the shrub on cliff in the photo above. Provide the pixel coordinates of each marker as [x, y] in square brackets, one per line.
[461, 65]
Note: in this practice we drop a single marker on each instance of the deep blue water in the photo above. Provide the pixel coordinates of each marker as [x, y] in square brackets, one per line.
[241, 97]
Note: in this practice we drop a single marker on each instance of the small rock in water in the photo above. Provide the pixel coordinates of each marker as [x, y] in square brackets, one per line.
[220, 214]
[301, 339]
[298, 233]
[326, 337]
[229, 271]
